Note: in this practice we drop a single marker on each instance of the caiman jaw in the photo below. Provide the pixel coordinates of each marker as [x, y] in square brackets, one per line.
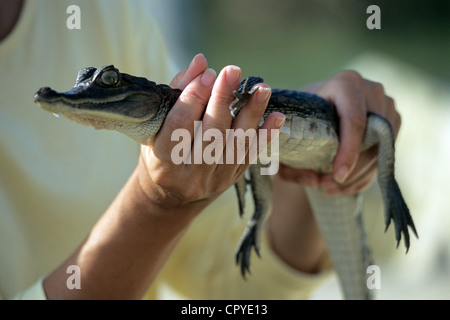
[88, 112]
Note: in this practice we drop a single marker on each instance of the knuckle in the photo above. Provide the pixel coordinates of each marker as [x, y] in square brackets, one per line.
[392, 114]
[390, 102]
[251, 109]
[178, 120]
[352, 76]
[255, 109]
[196, 95]
[214, 129]
[378, 88]
[242, 142]
[396, 123]
[399, 120]
[221, 97]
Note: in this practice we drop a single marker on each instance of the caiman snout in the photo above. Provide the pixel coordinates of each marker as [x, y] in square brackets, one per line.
[45, 93]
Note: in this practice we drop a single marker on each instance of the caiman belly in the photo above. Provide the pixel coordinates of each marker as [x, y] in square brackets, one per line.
[307, 144]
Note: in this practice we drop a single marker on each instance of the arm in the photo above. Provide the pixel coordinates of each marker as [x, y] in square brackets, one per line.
[293, 233]
[132, 240]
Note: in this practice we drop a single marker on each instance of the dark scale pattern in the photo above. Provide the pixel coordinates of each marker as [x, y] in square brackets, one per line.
[301, 104]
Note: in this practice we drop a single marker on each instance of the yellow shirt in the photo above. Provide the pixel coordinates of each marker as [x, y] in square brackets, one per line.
[57, 177]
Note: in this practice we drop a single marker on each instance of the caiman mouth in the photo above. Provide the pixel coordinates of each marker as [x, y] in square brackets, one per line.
[107, 113]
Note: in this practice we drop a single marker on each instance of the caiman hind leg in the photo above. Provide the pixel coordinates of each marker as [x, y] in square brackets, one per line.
[379, 131]
[262, 190]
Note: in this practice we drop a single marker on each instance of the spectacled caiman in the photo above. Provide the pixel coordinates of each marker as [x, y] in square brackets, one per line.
[107, 99]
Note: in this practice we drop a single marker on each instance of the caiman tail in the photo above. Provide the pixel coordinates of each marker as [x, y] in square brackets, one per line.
[340, 222]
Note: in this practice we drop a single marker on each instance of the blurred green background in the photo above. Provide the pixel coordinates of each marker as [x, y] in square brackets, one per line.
[291, 43]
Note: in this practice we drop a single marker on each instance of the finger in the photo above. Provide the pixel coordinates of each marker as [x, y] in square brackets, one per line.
[353, 119]
[217, 114]
[247, 150]
[378, 102]
[248, 121]
[188, 108]
[272, 126]
[307, 178]
[364, 180]
[359, 185]
[251, 114]
[361, 177]
[197, 66]
[385, 107]
[393, 116]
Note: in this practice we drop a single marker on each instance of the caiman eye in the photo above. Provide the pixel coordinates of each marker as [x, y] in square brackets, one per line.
[110, 77]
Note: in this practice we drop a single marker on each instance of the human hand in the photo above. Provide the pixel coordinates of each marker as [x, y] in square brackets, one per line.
[203, 98]
[353, 170]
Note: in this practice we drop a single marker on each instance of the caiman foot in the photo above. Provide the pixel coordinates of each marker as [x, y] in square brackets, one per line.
[248, 240]
[246, 90]
[398, 211]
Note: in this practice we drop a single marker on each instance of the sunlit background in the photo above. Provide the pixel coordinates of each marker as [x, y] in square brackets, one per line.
[292, 43]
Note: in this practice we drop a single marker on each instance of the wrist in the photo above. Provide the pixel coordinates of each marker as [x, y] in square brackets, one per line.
[157, 201]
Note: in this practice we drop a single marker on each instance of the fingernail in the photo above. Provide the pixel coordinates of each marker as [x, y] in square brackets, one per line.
[263, 94]
[341, 174]
[196, 56]
[233, 74]
[279, 121]
[208, 77]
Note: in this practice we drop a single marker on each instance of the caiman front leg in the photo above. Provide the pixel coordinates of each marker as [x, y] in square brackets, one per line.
[241, 190]
[246, 90]
[262, 190]
[260, 185]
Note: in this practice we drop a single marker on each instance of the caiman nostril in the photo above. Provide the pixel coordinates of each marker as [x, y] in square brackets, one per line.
[44, 93]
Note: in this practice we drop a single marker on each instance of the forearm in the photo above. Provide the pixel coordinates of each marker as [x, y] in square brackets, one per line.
[125, 250]
[293, 232]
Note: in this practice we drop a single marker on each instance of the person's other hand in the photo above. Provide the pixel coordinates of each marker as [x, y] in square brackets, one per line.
[353, 170]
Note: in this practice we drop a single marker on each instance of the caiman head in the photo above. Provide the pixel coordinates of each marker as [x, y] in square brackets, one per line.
[104, 98]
